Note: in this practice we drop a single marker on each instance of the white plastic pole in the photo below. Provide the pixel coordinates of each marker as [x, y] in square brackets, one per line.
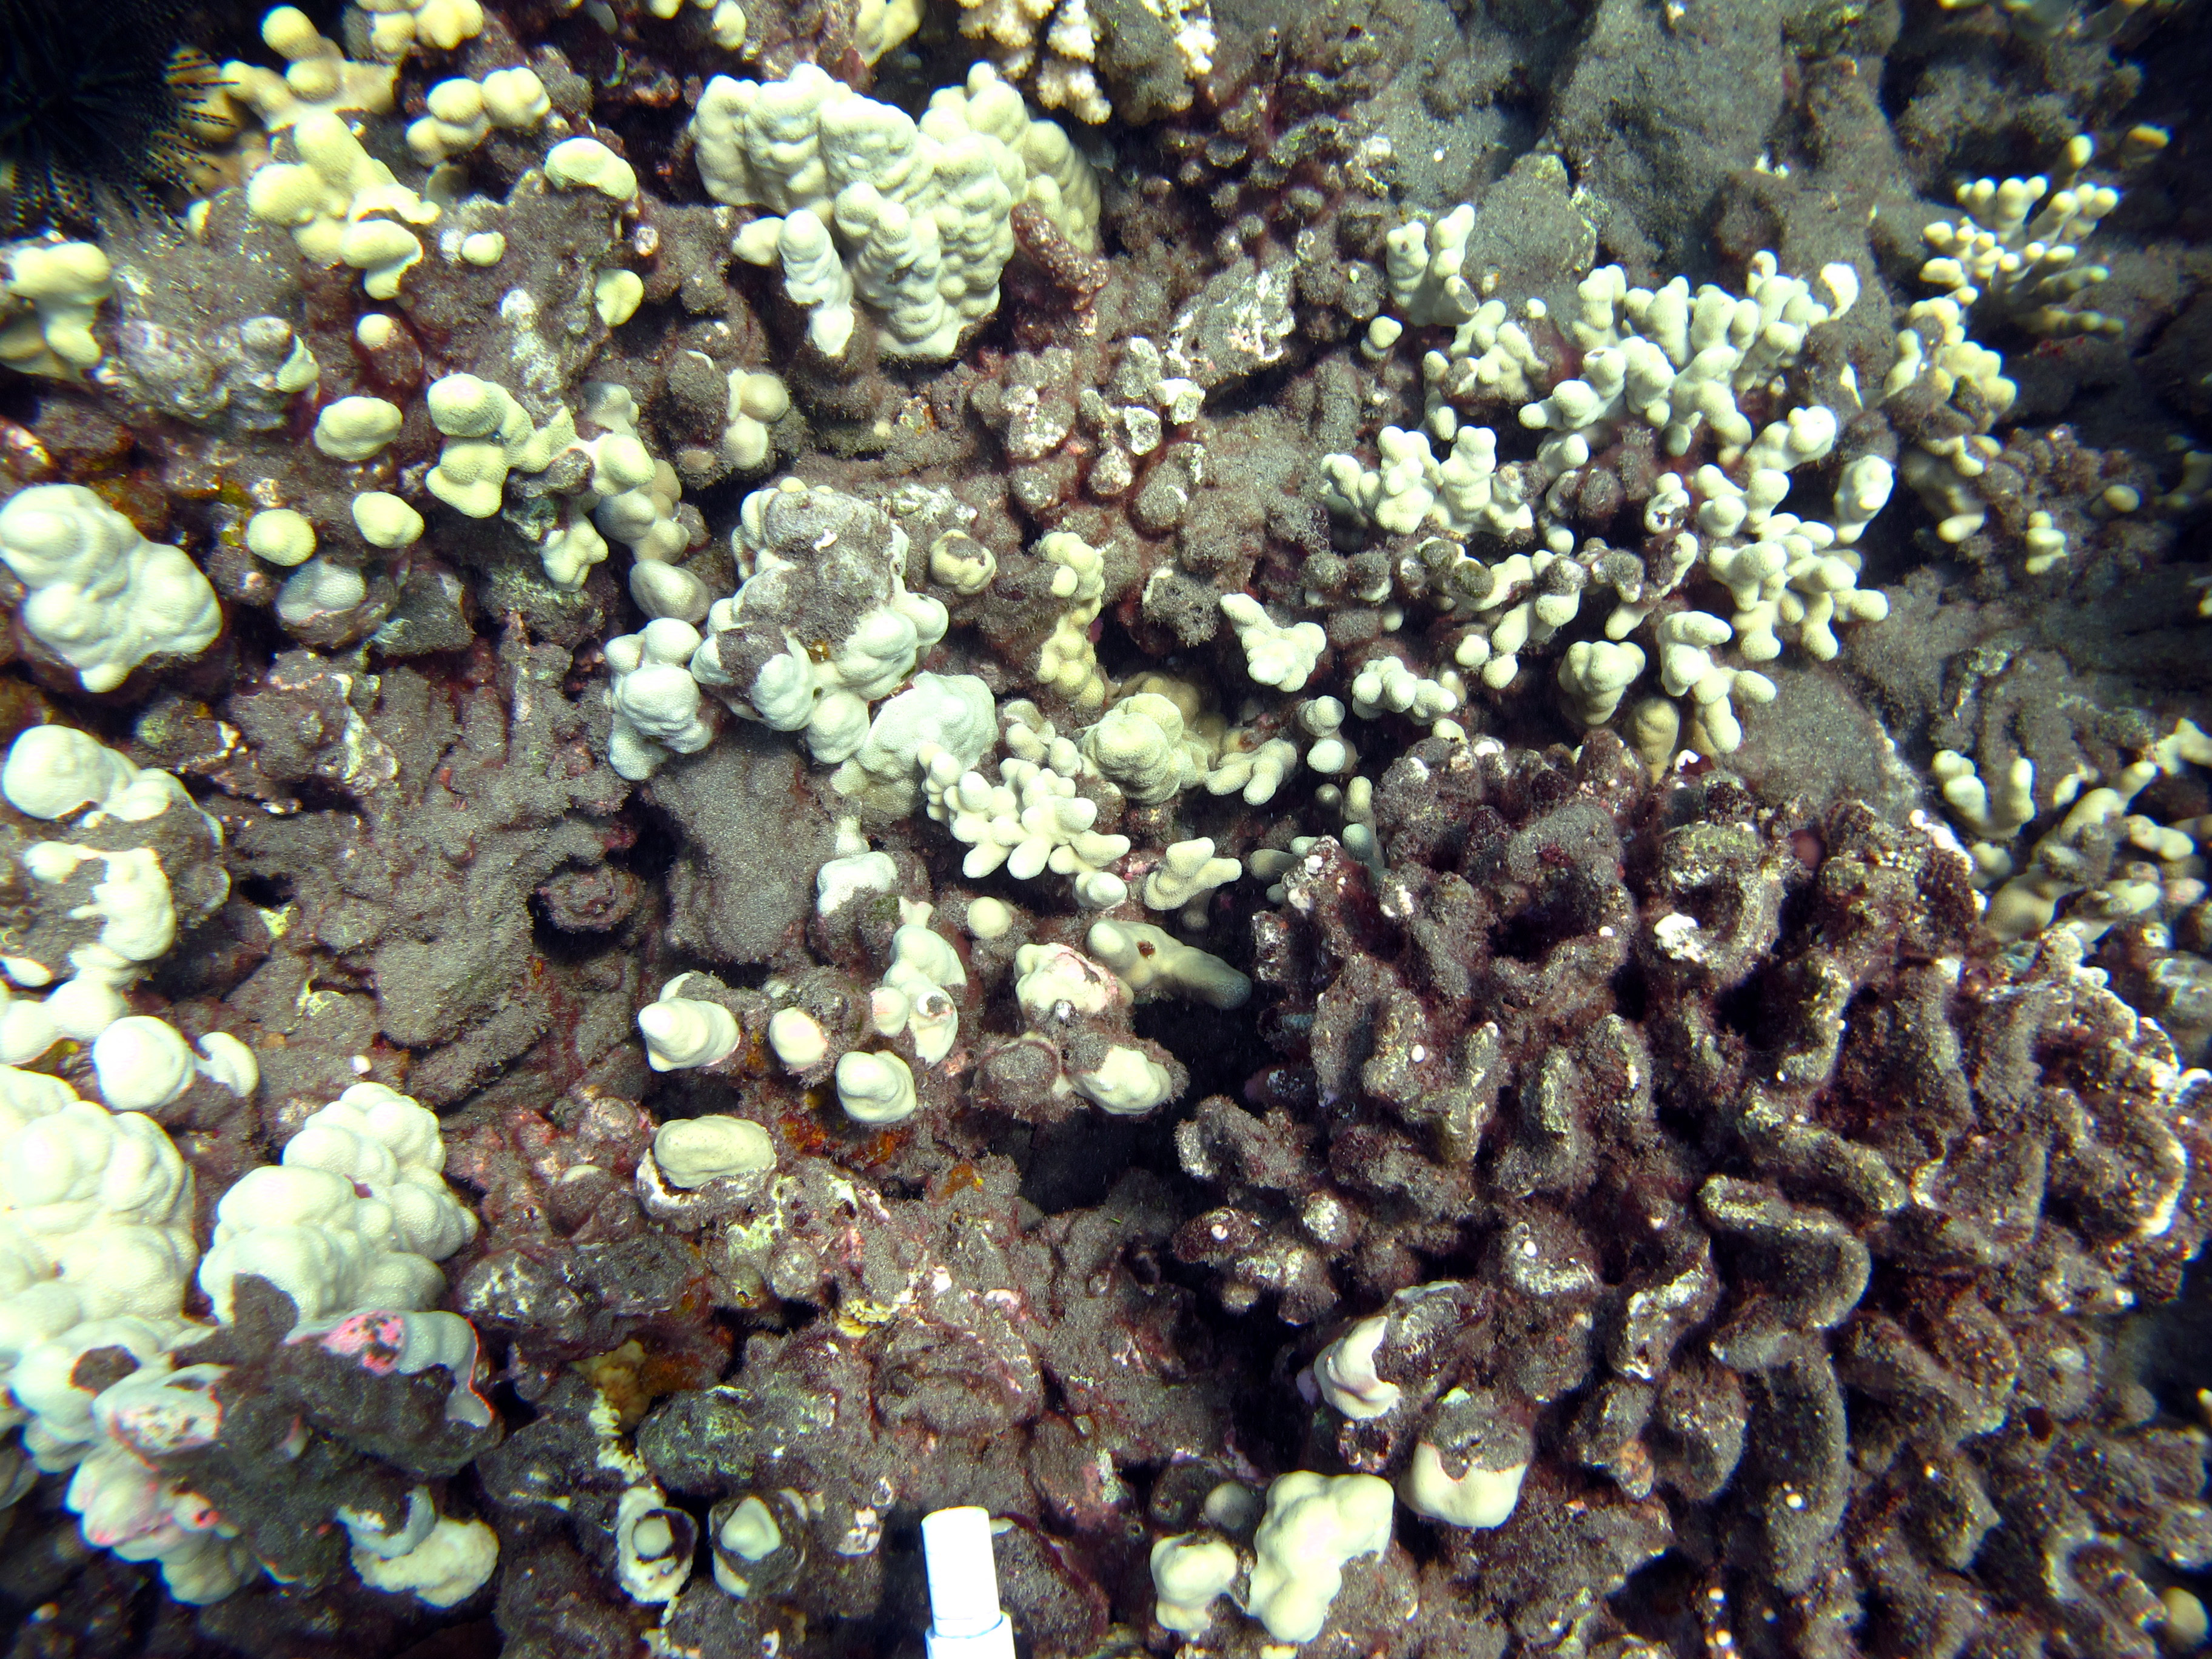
[965, 1622]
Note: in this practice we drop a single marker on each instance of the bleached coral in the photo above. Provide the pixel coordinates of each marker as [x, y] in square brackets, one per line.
[1254, 770]
[725, 21]
[1280, 654]
[876, 1088]
[1678, 361]
[397, 27]
[102, 598]
[1479, 965]
[1188, 870]
[1052, 46]
[1937, 361]
[681, 1032]
[1315, 1526]
[342, 205]
[1517, 604]
[820, 565]
[1992, 817]
[1424, 260]
[1385, 683]
[2002, 261]
[488, 434]
[916, 995]
[461, 113]
[1467, 491]
[629, 494]
[757, 401]
[951, 714]
[1680, 364]
[113, 912]
[1139, 746]
[355, 428]
[98, 1208]
[2104, 862]
[96, 1250]
[1031, 820]
[868, 209]
[656, 703]
[621, 491]
[1152, 963]
[1068, 662]
[1190, 1572]
[317, 78]
[357, 1214]
[50, 297]
[1595, 675]
[2046, 20]
[2027, 268]
[587, 164]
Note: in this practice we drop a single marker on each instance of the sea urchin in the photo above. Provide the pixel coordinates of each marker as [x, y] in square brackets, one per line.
[96, 100]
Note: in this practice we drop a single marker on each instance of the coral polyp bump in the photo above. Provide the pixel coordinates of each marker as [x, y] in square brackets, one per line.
[1382, 830]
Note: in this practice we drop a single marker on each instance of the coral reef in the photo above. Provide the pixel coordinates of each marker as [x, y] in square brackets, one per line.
[1391, 820]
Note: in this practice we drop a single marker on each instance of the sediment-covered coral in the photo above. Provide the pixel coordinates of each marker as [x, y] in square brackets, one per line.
[1884, 1236]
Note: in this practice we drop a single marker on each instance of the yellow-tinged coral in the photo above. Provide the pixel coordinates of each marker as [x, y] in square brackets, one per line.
[1068, 663]
[1934, 353]
[616, 295]
[461, 113]
[726, 21]
[397, 27]
[2104, 861]
[2045, 20]
[50, 297]
[318, 78]
[2031, 267]
[878, 25]
[342, 205]
[488, 434]
[587, 164]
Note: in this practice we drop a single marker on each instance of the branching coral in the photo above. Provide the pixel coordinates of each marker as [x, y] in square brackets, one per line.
[2027, 268]
[1666, 376]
